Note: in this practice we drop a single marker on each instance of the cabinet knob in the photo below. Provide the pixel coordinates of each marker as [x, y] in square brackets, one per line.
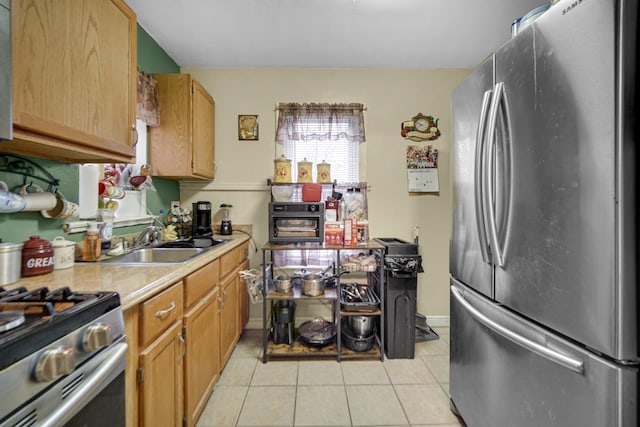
[220, 303]
[161, 313]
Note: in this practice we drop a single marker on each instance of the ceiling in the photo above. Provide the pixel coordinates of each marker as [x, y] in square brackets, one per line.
[330, 33]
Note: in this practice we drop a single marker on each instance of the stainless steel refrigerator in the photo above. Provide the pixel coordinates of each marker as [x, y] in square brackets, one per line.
[544, 250]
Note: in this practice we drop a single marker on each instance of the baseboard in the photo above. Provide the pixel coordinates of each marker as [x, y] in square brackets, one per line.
[433, 321]
[438, 321]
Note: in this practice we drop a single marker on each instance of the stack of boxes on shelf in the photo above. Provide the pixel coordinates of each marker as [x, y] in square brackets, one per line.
[346, 219]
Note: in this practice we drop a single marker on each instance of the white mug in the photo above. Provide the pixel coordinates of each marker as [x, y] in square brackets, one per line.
[37, 200]
[62, 210]
[10, 202]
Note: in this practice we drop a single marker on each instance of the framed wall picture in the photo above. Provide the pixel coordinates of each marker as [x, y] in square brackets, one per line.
[248, 127]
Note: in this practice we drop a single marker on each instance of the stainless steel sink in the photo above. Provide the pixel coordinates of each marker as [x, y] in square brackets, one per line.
[146, 256]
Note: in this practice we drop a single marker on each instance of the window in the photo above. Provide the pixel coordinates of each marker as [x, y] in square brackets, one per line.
[320, 132]
[323, 132]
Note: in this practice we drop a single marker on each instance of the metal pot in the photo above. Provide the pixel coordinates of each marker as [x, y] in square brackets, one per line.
[362, 326]
[317, 332]
[10, 257]
[313, 284]
[353, 342]
[330, 280]
[283, 284]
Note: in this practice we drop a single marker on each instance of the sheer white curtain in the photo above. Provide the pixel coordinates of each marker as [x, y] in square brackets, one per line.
[320, 122]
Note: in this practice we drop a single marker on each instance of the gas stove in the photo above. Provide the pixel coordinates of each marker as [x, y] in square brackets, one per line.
[52, 342]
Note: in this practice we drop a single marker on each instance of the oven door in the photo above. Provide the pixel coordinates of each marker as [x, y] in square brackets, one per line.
[93, 394]
[283, 229]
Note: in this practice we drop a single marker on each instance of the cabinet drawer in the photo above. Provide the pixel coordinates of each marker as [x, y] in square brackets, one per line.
[229, 261]
[200, 282]
[159, 313]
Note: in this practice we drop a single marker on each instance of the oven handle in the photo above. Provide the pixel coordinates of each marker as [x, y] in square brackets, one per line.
[87, 391]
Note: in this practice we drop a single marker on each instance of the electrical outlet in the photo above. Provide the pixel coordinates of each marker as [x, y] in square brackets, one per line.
[175, 204]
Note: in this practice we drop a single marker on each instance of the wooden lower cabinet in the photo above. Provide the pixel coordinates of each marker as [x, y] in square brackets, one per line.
[180, 340]
[202, 361]
[243, 299]
[160, 385]
[228, 318]
[160, 363]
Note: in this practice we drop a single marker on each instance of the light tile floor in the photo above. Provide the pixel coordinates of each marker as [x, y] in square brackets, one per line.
[312, 393]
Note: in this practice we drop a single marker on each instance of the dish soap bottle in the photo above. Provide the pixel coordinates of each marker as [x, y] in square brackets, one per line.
[91, 244]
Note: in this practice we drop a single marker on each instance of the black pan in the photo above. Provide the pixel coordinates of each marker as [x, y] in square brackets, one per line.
[317, 332]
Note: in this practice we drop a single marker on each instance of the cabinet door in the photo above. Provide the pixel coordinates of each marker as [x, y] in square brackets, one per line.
[228, 318]
[183, 145]
[243, 300]
[161, 380]
[170, 143]
[74, 79]
[202, 359]
[203, 131]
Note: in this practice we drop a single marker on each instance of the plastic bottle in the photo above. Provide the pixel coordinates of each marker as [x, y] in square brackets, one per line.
[355, 206]
[105, 218]
[91, 244]
[342, 210]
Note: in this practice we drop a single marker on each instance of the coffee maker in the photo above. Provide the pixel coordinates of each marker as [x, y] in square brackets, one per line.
[201, 219]
[282, 322]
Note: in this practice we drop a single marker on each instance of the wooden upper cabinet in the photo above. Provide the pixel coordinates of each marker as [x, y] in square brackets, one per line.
[183, 146]
[74, 80]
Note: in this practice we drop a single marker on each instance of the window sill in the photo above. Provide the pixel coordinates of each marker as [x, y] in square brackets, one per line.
[82, 226]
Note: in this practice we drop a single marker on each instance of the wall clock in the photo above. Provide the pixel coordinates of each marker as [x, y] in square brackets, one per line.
[420, 128]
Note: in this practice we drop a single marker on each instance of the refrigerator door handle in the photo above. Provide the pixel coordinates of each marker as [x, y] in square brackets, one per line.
[481, 219]
[489, 199]
[553, 355]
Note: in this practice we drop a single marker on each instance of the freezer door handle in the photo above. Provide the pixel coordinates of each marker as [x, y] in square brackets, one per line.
[553, 355]
[489, 199]
[481, 219]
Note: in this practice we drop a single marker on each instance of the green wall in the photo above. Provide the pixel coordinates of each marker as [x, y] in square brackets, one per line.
[17, 227]
[151, 57]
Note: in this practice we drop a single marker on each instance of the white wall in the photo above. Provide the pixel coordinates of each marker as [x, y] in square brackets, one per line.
[390, 96]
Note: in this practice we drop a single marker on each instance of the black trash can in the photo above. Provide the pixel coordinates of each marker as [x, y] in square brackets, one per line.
[402, 263]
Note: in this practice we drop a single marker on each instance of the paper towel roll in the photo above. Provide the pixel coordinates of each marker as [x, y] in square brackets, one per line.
[88, 191]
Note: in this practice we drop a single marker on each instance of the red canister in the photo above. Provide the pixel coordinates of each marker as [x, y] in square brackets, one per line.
[37, 257]
[311, 192]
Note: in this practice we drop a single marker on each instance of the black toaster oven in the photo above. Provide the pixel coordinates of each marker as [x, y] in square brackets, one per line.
[293, 222]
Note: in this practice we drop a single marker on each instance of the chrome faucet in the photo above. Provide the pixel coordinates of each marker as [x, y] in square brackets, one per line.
[125, 242]
[148, 236]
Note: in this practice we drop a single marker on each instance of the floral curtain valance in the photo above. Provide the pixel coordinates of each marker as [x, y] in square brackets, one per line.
[147, 108]
[320, 122]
